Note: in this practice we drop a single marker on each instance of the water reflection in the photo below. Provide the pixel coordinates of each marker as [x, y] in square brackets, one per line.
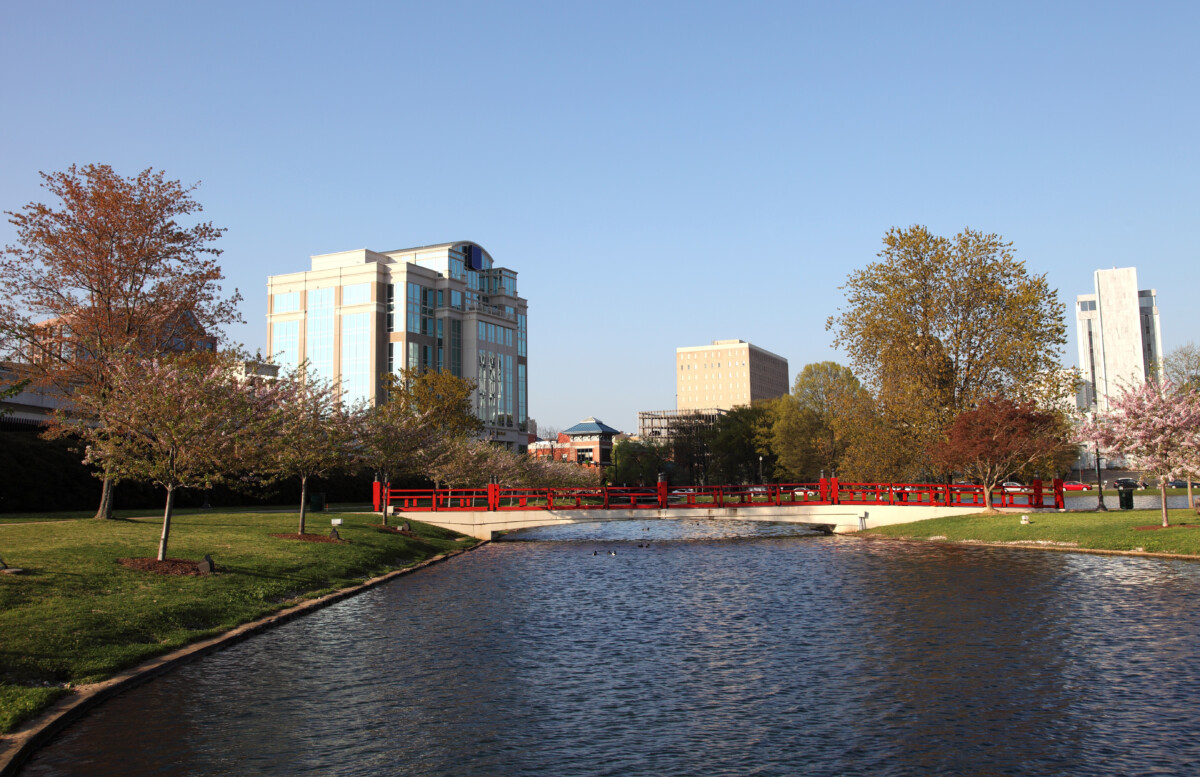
[722, 648]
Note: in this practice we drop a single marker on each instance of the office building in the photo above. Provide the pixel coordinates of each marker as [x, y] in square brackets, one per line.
[726, 374]
[357, 315]
[1120, 344]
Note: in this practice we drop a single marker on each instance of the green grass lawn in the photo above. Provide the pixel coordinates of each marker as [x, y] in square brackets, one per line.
[1114, 530]
[77, 616]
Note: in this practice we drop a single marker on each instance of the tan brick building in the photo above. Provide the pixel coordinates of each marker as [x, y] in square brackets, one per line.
[726, 374]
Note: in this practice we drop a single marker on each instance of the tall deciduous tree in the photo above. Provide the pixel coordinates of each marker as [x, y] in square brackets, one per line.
[178, 421]
[107, 270]
[939, 324]
[1001, 437]
[638, 462]
[811, 428]
[441, 397]
[1155, 424]
[735, 447]
[1182, 366]
[317, 434]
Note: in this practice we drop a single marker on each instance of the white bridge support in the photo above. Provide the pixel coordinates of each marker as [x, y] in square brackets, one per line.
[840, 519]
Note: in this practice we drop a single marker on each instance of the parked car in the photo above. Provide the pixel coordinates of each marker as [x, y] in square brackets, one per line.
[1128, 483]
[1176, 483]
[1011, 485]
[1075, 485]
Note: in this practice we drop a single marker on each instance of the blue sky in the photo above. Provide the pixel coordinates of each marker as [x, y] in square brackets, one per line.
[659, 174]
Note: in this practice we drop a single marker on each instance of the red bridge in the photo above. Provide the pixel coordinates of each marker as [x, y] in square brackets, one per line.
[829, 491]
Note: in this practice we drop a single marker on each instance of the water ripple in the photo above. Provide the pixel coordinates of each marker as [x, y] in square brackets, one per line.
[723, 648]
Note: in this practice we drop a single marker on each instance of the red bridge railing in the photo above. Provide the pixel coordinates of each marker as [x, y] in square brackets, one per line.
[663, 497]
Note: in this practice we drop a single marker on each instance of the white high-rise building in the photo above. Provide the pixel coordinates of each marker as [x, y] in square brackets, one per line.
[357, 315]
[1120, 344]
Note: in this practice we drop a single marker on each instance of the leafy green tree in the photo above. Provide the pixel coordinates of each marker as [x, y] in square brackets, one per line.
[1182, 366]
[638, 462]
[811, 428]
[734, 445]
[939, 324]
[441, 397]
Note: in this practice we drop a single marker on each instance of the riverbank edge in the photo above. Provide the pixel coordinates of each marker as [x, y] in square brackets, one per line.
[1024, 545]
[16, 747]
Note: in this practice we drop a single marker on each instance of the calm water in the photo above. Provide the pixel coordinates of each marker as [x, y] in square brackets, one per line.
[720, 649]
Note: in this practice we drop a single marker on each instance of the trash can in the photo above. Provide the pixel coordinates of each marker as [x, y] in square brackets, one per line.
[1125, 498]
[316, 501]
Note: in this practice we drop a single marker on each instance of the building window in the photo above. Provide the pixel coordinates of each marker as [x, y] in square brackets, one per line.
[285, 338]
[522, 408]
[356, 358]
[391, 308]
[414, 307]
[319, 333]
[456, 347]
[356, 294]
[508, 391]
[286, 303]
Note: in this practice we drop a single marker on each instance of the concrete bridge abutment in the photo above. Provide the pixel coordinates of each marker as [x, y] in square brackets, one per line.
[840, 519]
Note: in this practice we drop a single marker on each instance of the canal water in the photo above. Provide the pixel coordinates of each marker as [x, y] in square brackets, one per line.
[717, 648]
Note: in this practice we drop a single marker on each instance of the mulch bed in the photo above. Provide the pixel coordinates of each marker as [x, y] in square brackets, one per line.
[395, 530]
[306, 537]
[171, 566]
[1156, 527]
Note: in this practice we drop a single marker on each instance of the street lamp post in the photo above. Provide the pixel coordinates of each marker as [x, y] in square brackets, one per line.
[760, 480]
[1099, 483]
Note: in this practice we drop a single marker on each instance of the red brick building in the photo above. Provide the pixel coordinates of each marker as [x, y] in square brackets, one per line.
[589, 443]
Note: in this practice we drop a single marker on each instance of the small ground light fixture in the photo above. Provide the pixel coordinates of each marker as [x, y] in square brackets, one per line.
[1024, 519]
[336, 521]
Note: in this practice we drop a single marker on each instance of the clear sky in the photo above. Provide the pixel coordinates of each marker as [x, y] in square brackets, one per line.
[659, 174]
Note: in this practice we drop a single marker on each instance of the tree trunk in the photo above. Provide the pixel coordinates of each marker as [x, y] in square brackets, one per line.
[166, 532]
[384, 479]
[104, 512]
[987, 500]
[303, 500]
[1162, 490]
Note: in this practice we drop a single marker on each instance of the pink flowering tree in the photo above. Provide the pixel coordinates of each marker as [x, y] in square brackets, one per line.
[316, 436]
[1155, 424]
[186, 420]
[395, 441]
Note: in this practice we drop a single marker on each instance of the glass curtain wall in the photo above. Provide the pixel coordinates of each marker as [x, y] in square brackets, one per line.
[320, 333]
[356, 358]
[286, 339]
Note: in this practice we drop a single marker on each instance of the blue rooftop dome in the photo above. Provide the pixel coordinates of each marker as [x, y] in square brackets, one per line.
[591, 426]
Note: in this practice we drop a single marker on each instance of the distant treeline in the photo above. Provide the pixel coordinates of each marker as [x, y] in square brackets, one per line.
[47, 475]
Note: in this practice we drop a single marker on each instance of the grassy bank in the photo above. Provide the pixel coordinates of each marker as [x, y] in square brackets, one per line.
[1114, 530]
[77, 616]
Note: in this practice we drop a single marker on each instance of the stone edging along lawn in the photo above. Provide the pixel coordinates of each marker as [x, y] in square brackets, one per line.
[17, 746]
